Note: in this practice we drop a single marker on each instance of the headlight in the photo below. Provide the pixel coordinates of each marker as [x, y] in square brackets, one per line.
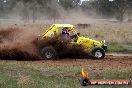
[103, 41]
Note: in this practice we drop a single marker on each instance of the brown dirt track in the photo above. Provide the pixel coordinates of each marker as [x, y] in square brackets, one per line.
[109, 62]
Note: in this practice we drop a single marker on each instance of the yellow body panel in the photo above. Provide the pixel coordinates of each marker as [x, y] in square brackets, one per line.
[88, 43]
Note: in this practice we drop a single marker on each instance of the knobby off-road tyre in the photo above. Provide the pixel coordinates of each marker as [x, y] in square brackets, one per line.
[98, 53]
[48, 53]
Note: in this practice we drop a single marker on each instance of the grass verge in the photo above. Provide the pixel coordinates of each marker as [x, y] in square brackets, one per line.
[119, 48]
[31, 75]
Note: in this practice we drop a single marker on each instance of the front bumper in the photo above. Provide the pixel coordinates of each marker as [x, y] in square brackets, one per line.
[104, 47]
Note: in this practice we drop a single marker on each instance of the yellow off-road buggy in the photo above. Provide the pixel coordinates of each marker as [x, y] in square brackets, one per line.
[59, 37]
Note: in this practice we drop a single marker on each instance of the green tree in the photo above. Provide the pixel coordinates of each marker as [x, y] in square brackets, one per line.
[101, 7]
[69, 4]
[6, 7]
[129, 10]
[106, 8]
[120, 8]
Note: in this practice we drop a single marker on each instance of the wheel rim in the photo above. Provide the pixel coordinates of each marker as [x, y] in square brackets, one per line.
[98, 54]
[48, 54]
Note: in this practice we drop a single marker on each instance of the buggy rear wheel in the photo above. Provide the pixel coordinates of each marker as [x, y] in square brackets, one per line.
[48, 53]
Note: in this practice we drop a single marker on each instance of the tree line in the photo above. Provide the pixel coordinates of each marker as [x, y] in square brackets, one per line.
[30, 9]
[108, 9]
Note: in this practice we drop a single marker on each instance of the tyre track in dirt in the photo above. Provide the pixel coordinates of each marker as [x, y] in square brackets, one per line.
[109, 62]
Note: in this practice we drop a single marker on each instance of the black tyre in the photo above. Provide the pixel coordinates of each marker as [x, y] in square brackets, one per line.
[98, 53]
[48, 53]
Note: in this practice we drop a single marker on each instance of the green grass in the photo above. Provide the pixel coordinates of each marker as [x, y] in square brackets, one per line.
[119, 48]
[39, 75]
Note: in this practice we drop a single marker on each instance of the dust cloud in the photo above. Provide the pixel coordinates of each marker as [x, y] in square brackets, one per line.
[17, 43]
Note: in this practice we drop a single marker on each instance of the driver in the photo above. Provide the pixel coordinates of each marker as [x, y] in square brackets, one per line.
[68, 35]
[72, 36]
[65, 34]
